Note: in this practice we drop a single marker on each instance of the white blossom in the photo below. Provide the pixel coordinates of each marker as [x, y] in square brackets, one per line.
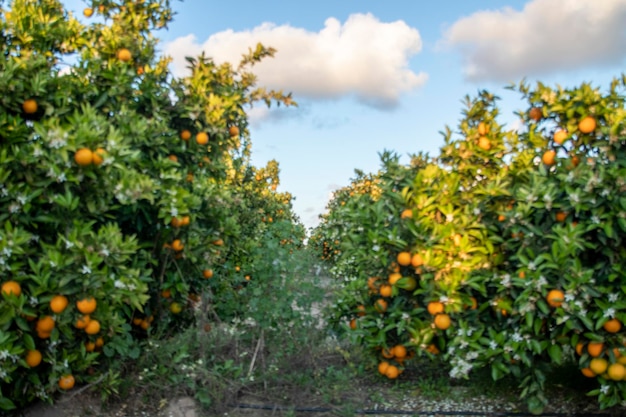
[86, 270]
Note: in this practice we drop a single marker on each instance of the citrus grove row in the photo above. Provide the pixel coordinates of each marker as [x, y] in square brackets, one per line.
[129, 203]
[506, 250]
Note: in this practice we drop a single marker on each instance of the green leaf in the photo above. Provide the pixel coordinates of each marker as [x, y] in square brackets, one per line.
[6, 404]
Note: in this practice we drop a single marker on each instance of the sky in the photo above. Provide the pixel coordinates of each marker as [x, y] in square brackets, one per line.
[372, 75]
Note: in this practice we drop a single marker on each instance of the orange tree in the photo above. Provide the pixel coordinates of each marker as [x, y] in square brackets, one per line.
[118, 182]
[510, 243]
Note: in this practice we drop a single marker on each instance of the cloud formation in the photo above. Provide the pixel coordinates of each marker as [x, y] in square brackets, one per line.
[362, 58]
[545, 37]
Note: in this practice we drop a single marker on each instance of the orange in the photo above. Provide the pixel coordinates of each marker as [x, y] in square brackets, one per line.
[93, 327]
[144, 324]
[483, 128]
[98, 156]
[66, 382]
[381, 305]
[353, 324]
[29, 106]
[404, 258]
[173, 158]
[88, 12]
[99, 342]
[416, 260]
[535, 114]
[177, 245]
[613, 326]
[83, 157]
[442, 321]
[616, 371]
[58, 304]
[185, 220]
[371, 282]
[579, 348]
[176, 222]
[385, 290]
[33, 358]
[43, 335]
[484, 143]
[360, 310]
[175, 308]
[11, 288]
[90, 346]
[432, 348]
[124, 55]
[560, 136]
[406, 214]
[549, 157]
[587, 125]
[185, 135]
[501, 218]
[595, 349]
[474, 301]
[166, 293]
[86, 305]
[575, 161]
[394, 277]
[387, 353]
[598, 365]
[45, 324]
[399, 351]
[202, 138]
[392, 372]
[435, 307]
[382, 367]
[588, 373]
[207, 273]
[233, 131]
[560, 216]
[82, 321]
[218, 242]
[555, 298]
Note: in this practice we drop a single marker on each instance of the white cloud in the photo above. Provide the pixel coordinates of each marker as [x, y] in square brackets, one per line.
[545, 37]
[363, 58]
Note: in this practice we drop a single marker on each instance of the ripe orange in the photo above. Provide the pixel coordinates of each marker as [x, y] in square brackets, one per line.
[399, 351]
[90, 346]
[579, 348]
[385, 290]
[535, 114]
[82, 321]
[45, 324]
[124, 55]
[98, 156]
[432, 348]
[33, 358]
[177, 245]
[435, 307]
[616, 371]
[442, 321]
[86, 305]
[483, 128]
[207, 273]
[555, 298]
[560, 216]
[417, 260]
[595, 349]
[233, 131]
[387, 353]
[173, 158]
[88, 12]
[404, 258]
[176, 222]
[218, 242]
[83, 157]
[202, 138]
[371, 282]
[560, 136]
[394, 277]
[353, 324]
[144, 324]
[185, 220]
[381, 305]
[360, 310]
[93, 327]
[549, 157]
[587, 125]
[501, 218]
[58, 304]
[382, 367]
[484, 143]
[11, 288]
[29, 106]
[588, 373]
[598, 365]
[185, 135]
[66, 382]
[406, 214]
[613, 326]
[166, 293]
[392, 372]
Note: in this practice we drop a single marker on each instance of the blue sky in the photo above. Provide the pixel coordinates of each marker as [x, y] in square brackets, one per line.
[370, 75]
